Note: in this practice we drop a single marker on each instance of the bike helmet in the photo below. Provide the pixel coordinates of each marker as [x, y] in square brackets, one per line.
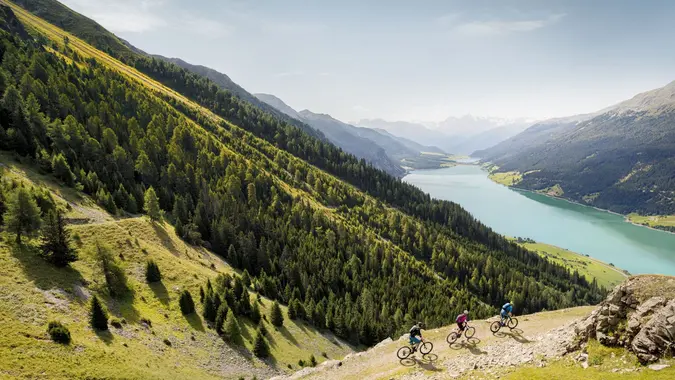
[420, 324]
[466, 311]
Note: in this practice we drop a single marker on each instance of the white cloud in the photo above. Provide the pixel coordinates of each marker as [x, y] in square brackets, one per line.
[499, 27]
[121, 16]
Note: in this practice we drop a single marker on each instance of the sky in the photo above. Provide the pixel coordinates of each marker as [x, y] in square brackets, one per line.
[414, 60]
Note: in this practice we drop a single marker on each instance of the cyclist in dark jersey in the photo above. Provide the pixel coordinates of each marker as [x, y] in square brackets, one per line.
[416, 335]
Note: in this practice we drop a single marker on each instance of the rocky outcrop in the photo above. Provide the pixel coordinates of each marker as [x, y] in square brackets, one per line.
[657, 336]
[628, 318]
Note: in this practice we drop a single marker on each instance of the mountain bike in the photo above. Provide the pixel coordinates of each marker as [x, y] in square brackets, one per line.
[469, 332]
[405, 351]
[497, 325]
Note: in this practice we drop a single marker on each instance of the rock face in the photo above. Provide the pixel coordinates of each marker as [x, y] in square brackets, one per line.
[627, 318]
[657, 336]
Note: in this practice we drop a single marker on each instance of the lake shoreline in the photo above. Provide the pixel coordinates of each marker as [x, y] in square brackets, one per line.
[625, 217]
[595, 233]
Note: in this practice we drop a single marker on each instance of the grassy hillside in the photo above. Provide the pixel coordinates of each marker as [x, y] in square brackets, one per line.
[34, 292]
[664, 222]
[606, 274]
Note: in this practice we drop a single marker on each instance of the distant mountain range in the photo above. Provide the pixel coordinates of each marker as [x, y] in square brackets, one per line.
[621, 158]
[461, 135]
[382, 149]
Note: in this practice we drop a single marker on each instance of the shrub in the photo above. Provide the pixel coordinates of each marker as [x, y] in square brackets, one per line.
[152, 273]
[146, 321]
[58, 332]
[312, 361]
[324, 354]
[187, 305]
[301, 363]
[98, 317]
[115, 322]
[276, 317]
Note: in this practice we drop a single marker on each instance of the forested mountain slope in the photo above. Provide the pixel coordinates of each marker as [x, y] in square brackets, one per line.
[342, 135]
[149, 337]
[620, 159]
[348, 247]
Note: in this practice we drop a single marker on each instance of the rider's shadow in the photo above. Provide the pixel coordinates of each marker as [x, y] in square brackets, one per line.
[514, 334]
[470, 344]
[426, 363]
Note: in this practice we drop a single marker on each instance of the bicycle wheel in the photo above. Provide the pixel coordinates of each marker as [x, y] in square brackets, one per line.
[513, 322]
[452, 337]
[404, 352]
[426, 348]
[470, 332]
[495, 326]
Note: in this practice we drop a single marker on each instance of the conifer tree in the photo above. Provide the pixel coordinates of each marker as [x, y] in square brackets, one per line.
[56, 246]
[276, 317]
[151, 205]
[221, 317]
[260, 348]
[152, 273]
[187, 305]
[256, 316]
[23, 215]
[98, 317]
[231, 329]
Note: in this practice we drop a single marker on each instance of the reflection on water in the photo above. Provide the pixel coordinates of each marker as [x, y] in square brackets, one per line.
[583, 229]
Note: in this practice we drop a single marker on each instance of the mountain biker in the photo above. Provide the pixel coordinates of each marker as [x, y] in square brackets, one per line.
[507, 311]
[462, 320]
[416, 335]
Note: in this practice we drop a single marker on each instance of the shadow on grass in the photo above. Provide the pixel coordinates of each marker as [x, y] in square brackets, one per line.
[166, 239]
[43, 274]
[123, 306]
[287, 334]
[105, 335]
[195, 322]
[161, 292]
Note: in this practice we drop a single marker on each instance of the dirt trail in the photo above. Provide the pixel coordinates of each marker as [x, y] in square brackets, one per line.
[537, 337]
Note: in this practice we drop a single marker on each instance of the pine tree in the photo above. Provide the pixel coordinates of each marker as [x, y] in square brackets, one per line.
[256, 316]
[152, 273]
[187, 305]
[56, 245]
[276, 317]
[246, 278]
[221, 317]
[23, 215]
[231, 328]
[210, 307]
[98, 317]
[151, 205]
[260, 348]
[292, 313]
[245, 303]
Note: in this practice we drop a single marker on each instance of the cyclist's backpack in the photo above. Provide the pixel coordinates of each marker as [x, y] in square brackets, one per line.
[506, 306]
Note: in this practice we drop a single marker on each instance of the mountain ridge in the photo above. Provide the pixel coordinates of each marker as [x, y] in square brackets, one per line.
[618, 158]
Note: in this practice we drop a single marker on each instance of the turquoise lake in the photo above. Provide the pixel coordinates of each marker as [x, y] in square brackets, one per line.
[579, 228]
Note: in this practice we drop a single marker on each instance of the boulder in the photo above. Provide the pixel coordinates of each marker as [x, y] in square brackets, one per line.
[657, 335]
[643, 311]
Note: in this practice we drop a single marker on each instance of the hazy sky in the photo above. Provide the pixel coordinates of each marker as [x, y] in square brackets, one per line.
[414, 60]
